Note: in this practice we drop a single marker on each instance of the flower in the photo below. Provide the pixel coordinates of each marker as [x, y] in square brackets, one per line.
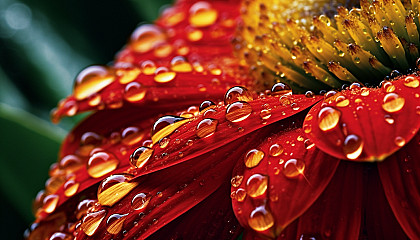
[222, 154]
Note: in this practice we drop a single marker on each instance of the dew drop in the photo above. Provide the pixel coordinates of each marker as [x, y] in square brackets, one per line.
[295, 106]
[70, 187]
[309, 144]
[389, 119]
[355, 86]
[352, 146]
[70, 163]
[202, 14]
[163, 75]
[114, 188]
[115, 223]
[388, 87]
[261, 219]
[180, 64]
[140, 201]
[293, 168]
[146, 37]
[134, 92]
[240, 194]
[279, 89]
[94, 100]
[194, 35]
[275, 150]
[165, 126]
[365, 91]
[236, 180]
[328, 118]
[91, 222]
[206, 105]
[253, 158]
[127, 74]
[309, 94]
[140, 156]
[101, 163]
[50, 203]
[237, 94]
[256, 185]
[60, 236]
[412, 82]
[131, 136]
[307, 128]
[238, 111]
[206, 127]
[148, 67]
[393, 102]
[91, 80]
[342, 101]
[399, 141]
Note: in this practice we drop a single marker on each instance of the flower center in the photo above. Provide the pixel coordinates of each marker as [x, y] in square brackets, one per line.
[319, 45]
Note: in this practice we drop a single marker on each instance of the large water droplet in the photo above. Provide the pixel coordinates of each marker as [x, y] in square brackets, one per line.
[50, 203]
[328, 118]
[114, 188]
[237, 94]
[70, 187]
[280, 89]
[165, 126]
[115, 223]
[261, 219]
[91, 80]
[293, 168]
[353, 146]
[202, 14]
[238, 111]
[140, 201]
[101, 163]
[256, 185]
[206, 127]
[141, 156]
[92, 221]
[411, 81]
[134, 92]
[393, 102]
[146, 37]
[253, 158]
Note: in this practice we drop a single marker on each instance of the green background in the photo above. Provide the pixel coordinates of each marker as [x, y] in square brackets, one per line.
[43, 45]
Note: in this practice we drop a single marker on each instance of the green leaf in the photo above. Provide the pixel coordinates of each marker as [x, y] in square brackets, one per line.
[28, 147]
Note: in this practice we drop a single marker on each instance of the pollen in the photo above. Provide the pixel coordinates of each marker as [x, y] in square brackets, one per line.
[315, 45]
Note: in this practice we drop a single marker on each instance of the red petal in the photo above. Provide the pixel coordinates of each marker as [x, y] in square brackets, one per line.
[400, 178]
[367, 124]
[280, 188]
[194, 69]
[337, 212]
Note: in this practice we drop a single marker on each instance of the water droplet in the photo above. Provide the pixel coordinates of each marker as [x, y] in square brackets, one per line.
[70, 163]
[206, 127]
[202, 14]
[115, 223]
[70, 187]
[280, 89]
[309, 94]
[238, 111]
[355, 86]
[353, 146]
[134, 92]
[114, 188]
[101, 163]
[393, 102]
[131, 136]
[307, 128]
[91, 222]
[148, 67]
[50, 203]
[389, 119]
[256, 185]
[328, 118]
[236, 180]
[293, 168]
[91, 80]
[240, 194]
[399, 141]
[261, 219]
[365, 91]
[342, 101]
[237, 94]
[146, 37]
[94, 100]
[388, 86]
[163, 75]
[180, 64]
[194, 35]
[140, 201]
[89, 141]
[265, 114]
[295, 106]
[60, 236]
[206, 105]
[309, 144]
[276, 150]
[412, 82]
[140, 156]
[253, 158]
[166, 125]
[127, 73]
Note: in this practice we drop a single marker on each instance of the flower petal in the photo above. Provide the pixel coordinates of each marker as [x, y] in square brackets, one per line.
[185, 56]
[401, 182]
[278, 181]
[365, 124]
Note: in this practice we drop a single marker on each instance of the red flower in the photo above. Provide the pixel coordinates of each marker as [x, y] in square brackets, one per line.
[293, 166]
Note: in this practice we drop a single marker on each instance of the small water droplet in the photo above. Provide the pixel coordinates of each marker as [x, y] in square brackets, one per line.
[131, 136]
[399, 141]
[50, 203]
[115, 223]
[163, 75]
[206, 105]
[261, 219]
[91, 221]
[202, 14]
[236, 180]
[70, 187]
[276, 150]
[91, 80]
[388, 86]
[355, 86]
[342, 101]
[134, 92]
[309, 144]
[237, 94]
[352, 146]
[265, 114]
[114, 188]
[101, 163]
[293, 168]
[238, 111]
[180, 64]
[206, 127]
[253, 158]
[146, 37]
[127, 73]
[141, 156]
[279, 89]
[240, 194]
[412, 82]
[365, 91]
[148, 67]
[389, 119]
[164, 126]
[392, 102]
[140, 201]
[328, 118]
[256, 185]
[309, 94]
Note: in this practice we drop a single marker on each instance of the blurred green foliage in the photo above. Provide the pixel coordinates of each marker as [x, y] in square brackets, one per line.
[43, 45]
